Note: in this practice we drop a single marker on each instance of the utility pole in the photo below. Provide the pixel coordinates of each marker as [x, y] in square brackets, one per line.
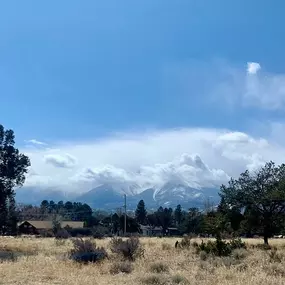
[125, 220]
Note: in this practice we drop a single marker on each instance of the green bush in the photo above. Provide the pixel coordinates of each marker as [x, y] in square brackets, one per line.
[220, 247]
[130, 248]
[237, 243]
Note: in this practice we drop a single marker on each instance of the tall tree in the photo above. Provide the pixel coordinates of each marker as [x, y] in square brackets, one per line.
[178, 215]
[141, 212]
[263, 192]
[13, 167]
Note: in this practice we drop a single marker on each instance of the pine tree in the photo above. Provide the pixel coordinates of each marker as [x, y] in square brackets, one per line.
[141, 212]
[178, 215]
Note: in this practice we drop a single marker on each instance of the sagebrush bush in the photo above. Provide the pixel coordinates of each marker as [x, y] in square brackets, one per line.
[60, 242]
[154, 280]
[130, 248]
[275, 269]
[7, 256]
[121, 267]
[179, 279]
[275, 256]
[87, 251]
[159, 267]
[239, 253]
[203, 255]
[185, 242]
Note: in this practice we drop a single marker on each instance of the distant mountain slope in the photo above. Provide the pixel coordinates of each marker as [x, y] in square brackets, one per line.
[109, 197]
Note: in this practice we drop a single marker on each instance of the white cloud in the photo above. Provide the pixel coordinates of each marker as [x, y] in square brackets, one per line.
[226, 85]
[60, 160]
[198, 157]
[253, 67]
[35, 142]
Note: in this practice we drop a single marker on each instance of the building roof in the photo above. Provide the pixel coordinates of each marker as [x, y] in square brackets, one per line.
[49, 225]
[150, 228]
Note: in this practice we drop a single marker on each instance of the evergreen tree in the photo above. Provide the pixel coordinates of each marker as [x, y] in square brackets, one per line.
[178, 215]
[13, 167]
[141, 212]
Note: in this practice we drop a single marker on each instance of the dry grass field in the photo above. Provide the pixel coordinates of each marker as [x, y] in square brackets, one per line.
[45, 263]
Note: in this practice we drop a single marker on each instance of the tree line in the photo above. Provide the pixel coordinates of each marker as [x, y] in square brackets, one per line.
[252, 204]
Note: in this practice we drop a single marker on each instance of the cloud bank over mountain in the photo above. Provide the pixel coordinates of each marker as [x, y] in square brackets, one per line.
[196, 157]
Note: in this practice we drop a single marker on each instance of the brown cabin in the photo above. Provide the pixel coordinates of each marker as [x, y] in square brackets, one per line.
[35, 227]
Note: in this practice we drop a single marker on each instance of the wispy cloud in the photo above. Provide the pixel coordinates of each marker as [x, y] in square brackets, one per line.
[35, 142]
[237, 86]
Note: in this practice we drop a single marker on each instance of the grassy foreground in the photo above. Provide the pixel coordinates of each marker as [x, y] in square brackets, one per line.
[45, 262]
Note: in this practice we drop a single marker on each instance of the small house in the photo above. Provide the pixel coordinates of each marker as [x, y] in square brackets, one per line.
[151, 231]
[36, 227]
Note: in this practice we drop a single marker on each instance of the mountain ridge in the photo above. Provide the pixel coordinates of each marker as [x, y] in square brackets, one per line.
[106, 196]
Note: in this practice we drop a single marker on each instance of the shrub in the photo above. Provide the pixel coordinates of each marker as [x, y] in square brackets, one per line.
[229, 261]
[203, 255]
[275, 269]
[154, 280]
[159, 267]
[130, 249]
[262, 246]
[87, 251]
[7, 256]
[185, 242]
[61, 234]
[275, 256]
[217, 247]
[220, 247]
[239, 253]
[166, 246]
[179, 279]
[81, 245]
[100, 232]
[80, 232]
[121, 267]
[60, 242]
[237, 243]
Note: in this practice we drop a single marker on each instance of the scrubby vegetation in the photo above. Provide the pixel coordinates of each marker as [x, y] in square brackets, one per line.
[130, 248]
[86, 251]
[92, 261]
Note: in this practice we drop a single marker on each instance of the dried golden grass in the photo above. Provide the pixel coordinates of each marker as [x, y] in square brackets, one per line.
[47, 266]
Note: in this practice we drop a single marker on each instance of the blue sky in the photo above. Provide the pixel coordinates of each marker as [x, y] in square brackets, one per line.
[80, 71]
